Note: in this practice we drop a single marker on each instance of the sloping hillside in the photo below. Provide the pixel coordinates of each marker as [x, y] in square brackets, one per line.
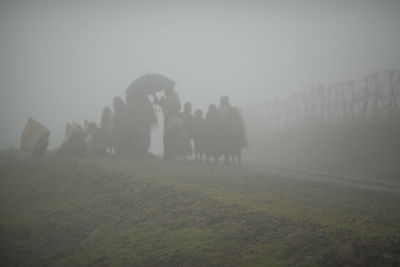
[124, 212]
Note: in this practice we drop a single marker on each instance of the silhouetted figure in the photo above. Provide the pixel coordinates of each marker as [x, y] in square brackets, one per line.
[224, 107]
[225, 114]
[213, 134]
[93, 140]
[233, 131]
[198, 135]
[173, 125]
[74, 141]
[239, 135]
[187, 119]
[118, 128]
[140, 119]
[34, 140]
[106, 128]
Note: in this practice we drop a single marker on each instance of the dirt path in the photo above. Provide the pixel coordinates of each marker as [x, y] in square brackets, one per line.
[327, 177]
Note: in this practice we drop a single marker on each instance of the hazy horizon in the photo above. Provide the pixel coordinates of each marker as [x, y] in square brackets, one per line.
[65, 61]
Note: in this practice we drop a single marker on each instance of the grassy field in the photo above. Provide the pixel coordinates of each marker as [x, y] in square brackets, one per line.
[124, 212]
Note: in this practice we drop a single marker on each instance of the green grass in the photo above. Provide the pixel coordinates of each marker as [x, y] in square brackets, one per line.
[120, 212]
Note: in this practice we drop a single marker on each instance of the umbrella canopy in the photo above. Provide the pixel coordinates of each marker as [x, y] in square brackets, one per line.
[150, 83]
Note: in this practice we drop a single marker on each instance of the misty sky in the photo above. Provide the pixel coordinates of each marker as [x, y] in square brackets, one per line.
[65, 60]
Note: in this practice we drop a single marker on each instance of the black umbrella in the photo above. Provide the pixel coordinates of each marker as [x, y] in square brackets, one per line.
[150, 83]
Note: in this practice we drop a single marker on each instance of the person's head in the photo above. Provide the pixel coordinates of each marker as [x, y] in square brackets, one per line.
[106, 114]
[198, 114]
[187, 108]
[212, 112]
[118, 103]
[224, 100]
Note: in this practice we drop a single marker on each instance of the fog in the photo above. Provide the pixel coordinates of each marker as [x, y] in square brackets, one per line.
[63, 61]
[295, 164]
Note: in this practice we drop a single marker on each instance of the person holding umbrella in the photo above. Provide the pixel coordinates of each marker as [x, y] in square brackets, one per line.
[140, 119]
[150, 84]
[173, 125]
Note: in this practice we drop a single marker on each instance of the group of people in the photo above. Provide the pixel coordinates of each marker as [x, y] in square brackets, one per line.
[220, 132]
[126, 130]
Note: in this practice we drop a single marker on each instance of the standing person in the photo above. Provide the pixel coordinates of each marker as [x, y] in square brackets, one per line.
[131, 126]
[187, 119]
[198, 132]
[225, 114]
[239, 135]
[74, 141]
[140, 119]
[213, 134]
[106, 128]
[118, 127]
[93, 140]
[224, 107]
[170, 105]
